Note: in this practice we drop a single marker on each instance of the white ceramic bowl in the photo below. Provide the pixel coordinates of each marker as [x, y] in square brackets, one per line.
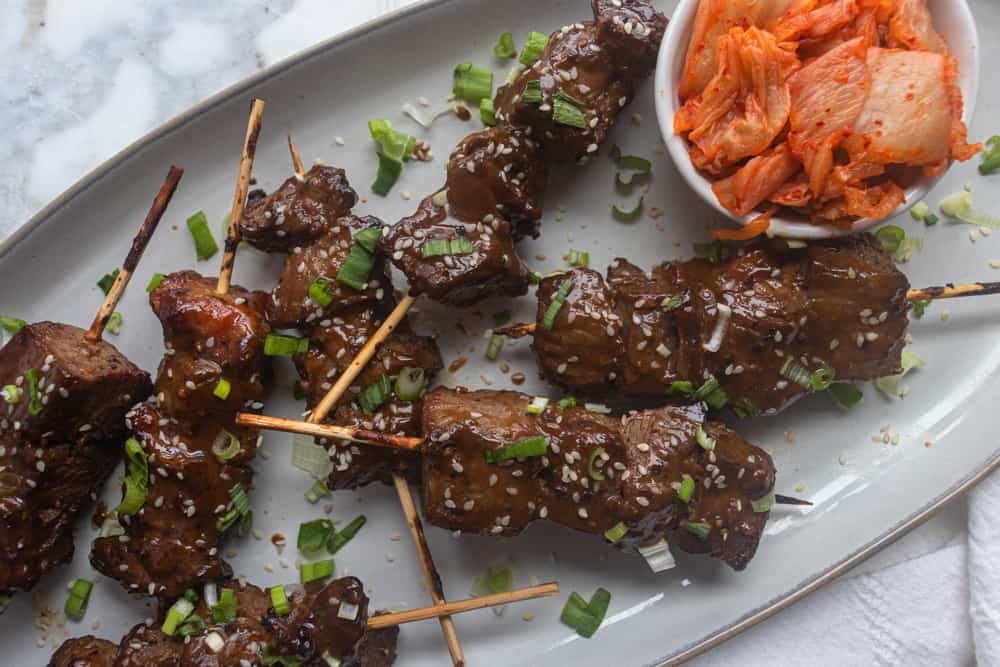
[952, 18]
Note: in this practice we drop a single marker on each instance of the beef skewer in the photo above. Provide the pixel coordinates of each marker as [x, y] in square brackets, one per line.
[66, 393]
[493, 461]
[189, 472]
[319, 413]
[761, 323]
[496, 178]
[312, 630]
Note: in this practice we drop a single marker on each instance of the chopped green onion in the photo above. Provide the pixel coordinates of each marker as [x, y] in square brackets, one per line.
[494, 346]
[959, 207]
[920, 211]
[599, 408]
[919, 307]
[891, 237]
[226, 446]
[108, 280]
[931, 220]
[533, 48]
[763, 504]
[11, 393]
[204, 245]
[487, 113]
[672, 303]
[557, 303]
[222, 389]
[845, 396]
[592, 471]
[505, 46]
[687, 488]
[715, 252]
[891, 384]
[472, 83]
[681, 389]
[358, 266]
[699, 530]
[535, 277]
[586, 617]
[500, 578]
[342, 537]
[178, 613]
[566, 113]
[135, 497]
[537, 405]
[394, 148]
[193, 626]
[440, 247]
[280, 345]
[796, 372]
[704, 440]
[225, 611]
[12, 324]
[616, 532]
[389, 171]
[79, 598]
[956, 203]
[567, 402]
[532, 93]
[991, 156]
[313, 535]
[634, 162]
[34, 396]
[155, 281]
[374, 395]
[821, 378]
[279, 600]
[534, 446]
[578, 258]
[745, 408]
[239, 508]
[316, 571]
[114, 324]
[712, 393]
[409, 383]
[629, 215]
[137, 481]
[321, 291]
[310, 457]
[318, 490]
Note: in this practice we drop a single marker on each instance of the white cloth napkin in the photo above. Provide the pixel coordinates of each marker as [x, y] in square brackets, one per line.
[984, 570]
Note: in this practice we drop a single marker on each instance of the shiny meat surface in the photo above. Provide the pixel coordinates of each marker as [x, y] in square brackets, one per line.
[598, 471]
[586, 321]
[325, 619]
[840, 304]
[495, 172]
[492, 268]
[298, 212]
[291, 307]
[597, 64]
[174, 540]
[54, 461]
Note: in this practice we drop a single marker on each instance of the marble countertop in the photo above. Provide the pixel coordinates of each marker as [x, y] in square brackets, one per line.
[85, 79]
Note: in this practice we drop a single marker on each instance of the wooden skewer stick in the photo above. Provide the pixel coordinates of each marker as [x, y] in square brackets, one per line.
[523, 329]
[139, 244]
[462, 606]
[378, 439]
[240, 197]
[328, 402]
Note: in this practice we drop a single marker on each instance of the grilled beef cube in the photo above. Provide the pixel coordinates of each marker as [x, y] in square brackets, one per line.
[174, 539]
[583, 349]
[291, 306]
[298, 212]
[631, 32]
[87, 651]
[319, 624]
[495, 172]
[597, 472]
[82, 389]
[646, 303]
[208, 338]
[54, 461]
[492, 268]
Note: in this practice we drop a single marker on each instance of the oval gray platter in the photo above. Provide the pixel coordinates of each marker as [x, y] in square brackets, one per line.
[50, 265]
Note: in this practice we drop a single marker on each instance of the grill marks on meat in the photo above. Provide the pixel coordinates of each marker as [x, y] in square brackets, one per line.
[173, 541]
[597, 63]
[646, 455]
[52, 463]
[291, 307]
[298, 212]
[497, 173]
[493, 268]
[762, 307]
[311, 630]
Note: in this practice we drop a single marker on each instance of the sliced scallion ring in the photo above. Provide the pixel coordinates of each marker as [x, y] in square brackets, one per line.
[204, 244]
[341, 537]
[321, 291]
[616, 532]
[763, 504]
[279, 600]
[532, 93]
[316, 571]
[410, 383]
[533, 48]
[280, 345]
[698, 529]
[79, 598]
[558, 299]
[12, 324]
[704, 441]
[374, 395]
[592, 470]
[226, 446]
[472, 83]
[537, 405]
[529, 447]
[114, 324]
[494, 346]
[505, 46]
[222, 389]
[686, 489]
